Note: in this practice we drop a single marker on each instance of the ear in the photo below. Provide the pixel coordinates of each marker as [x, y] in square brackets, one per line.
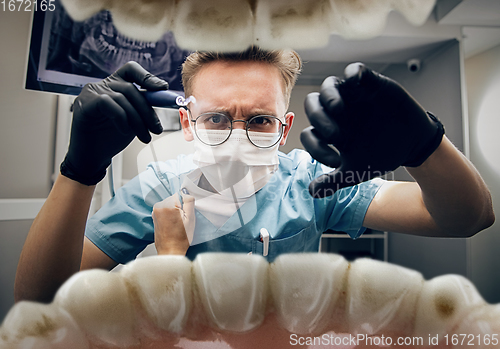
[289, 121]
[185, 124]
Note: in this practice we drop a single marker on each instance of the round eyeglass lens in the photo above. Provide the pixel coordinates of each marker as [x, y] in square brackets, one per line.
[264, 130]
[213, 128]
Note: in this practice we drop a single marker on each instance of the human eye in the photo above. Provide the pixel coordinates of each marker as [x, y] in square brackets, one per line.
[262, 120]
[213, 121]
[263, 123]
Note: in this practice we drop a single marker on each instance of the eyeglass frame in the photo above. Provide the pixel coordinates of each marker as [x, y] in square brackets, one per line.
[247, 122]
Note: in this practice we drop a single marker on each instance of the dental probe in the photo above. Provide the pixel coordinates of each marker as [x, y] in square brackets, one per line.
[264, 237]
[162, 99]
[167, 99]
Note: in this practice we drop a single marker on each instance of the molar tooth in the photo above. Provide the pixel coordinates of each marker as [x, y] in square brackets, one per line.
[40, 326]
[305, 289]
[443, 301]
[232, 289]
[99, 302]
[218, 25]
[479, 327]
[381, 296]
[163, 287]
[148, 21]
[292, 23]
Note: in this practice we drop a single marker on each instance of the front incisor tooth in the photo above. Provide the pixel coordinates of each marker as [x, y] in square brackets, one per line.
[292, 23]
[305, 289]
[217, 25]
[100, 304]
[40, 326]
[381, 297]
[443, 302]
[232, 289]
[163, 287]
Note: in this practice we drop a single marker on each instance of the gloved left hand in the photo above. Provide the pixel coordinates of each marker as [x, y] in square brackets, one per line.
[107, 116]
[374, 125]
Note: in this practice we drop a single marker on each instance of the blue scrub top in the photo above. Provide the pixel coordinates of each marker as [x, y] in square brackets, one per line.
[123, 227]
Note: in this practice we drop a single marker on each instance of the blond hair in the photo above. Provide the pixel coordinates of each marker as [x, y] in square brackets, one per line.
[288, 63]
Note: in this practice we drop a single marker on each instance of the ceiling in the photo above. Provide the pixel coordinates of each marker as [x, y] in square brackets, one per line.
[475, 22]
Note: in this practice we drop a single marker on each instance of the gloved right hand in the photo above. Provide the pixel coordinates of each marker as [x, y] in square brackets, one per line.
[106, 117]
[174, 224]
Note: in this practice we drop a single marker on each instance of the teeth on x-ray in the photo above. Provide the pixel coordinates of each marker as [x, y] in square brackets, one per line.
[164, 299]
[233, 25]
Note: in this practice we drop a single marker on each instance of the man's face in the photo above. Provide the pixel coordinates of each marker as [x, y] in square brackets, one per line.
[239, 89]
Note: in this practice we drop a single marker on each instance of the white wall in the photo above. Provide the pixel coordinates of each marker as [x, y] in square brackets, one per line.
[27, 121]
[483, 76]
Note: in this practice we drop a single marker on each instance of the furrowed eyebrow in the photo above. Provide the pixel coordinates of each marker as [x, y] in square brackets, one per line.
[256, 112]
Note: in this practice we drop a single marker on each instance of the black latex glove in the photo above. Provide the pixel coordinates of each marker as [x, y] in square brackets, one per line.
[106, 117]
[375, 125]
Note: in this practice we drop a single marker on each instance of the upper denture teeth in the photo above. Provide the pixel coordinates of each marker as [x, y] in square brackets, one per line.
[220, 25]
[147, 21]
[80, 10]
[233, 25]
[292, 23]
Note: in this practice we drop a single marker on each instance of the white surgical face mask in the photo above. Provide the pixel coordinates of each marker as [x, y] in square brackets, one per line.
[227, 164]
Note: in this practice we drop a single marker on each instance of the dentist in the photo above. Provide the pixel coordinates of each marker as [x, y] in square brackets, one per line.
[237, 123]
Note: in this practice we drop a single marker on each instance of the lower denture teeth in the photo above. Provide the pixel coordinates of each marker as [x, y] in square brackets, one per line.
[162, 301]
[232, 289]
[481, 328]
[381, 297]
[162, 285]
[100, 304]
[40, 326]
[305, 290]
[443, 301]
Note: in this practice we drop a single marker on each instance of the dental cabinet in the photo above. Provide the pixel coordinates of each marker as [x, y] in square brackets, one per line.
[372, 244]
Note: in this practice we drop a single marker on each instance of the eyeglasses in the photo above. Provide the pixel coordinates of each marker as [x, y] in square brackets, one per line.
[214, 128]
